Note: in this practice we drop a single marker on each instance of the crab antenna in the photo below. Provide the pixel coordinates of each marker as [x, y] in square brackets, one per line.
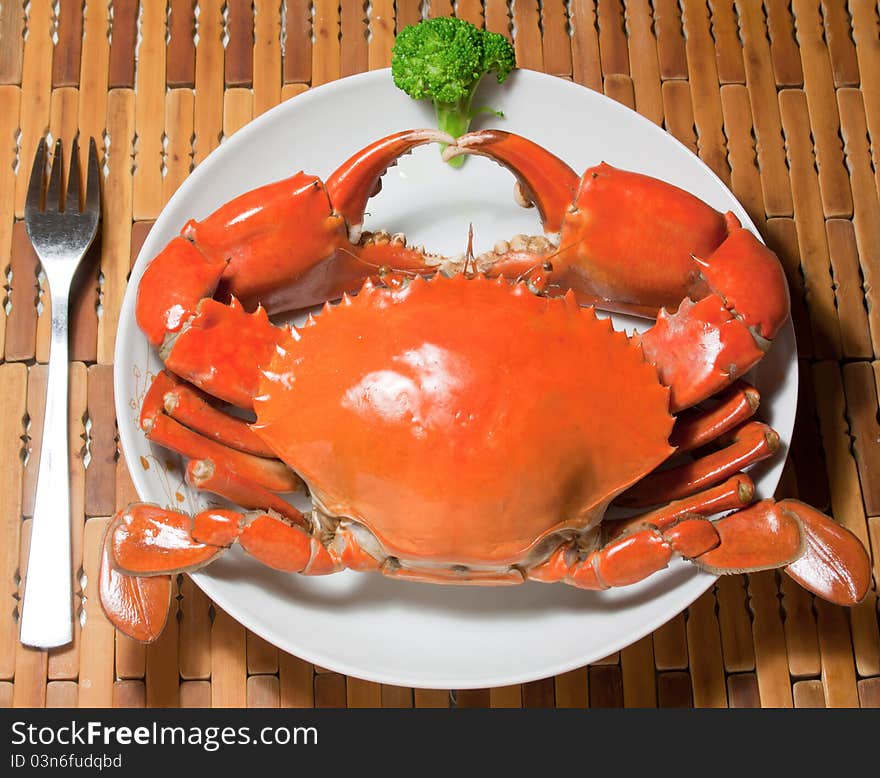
[469, 256]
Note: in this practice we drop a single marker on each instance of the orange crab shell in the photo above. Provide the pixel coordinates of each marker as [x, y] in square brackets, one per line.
[463, 420]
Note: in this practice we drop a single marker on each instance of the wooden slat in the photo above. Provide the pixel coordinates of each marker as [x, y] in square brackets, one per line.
[381, 34]
[784, 52]
[30, 663]
[353, 54]
[36, 85]
[116, 216]
[506, 696]
[841, 47]
[149, 106]
[93, 79]
[704, 647]
[736, 628]
[65, 61]
[470, 10]
[613, 52]
[298, 49]
[824, 120]
[674, 690]
[208, 79]
[125, 34]
[670, 645]
[846, 503]
[21, 321]
[330, 690]
[431, 698]
[10, 99]
[637, 668]
[861, 410]
[297, 682]
[838, 671]
[866, 33]
[228, 663]
[572, 689]
[855, 330]
[409, 12]
[643, 60]
[363, 694]
[36, 407]
[11, 27]
[263, 691]
[96, 647]
[555, 39]
[267, 56]
[180, 65]
[239, 60]
[472, 698]
[745, 178]
[397, 697]
[703, 77]
[195, 632]
[620, 88]
[765, 111]
[585, 65]
[537, 694]
[869, 692]
[606, 687]
[815, 261]
[527, 41]
[808, 694]
[768, 634]
[13, 385]
[742, 691]
[162, 675]
[101, 473]
[326, 54]
[671, 53]
[728, 49]
[679, 112]
[866, 211]
[129, 694]
[195, 694]
[179, 113]
[62, 694]
[262, 656]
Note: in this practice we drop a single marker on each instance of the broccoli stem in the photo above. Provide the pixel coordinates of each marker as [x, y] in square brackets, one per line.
[455, 119]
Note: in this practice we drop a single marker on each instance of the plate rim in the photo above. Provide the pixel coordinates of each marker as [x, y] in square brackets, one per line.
[213, 587]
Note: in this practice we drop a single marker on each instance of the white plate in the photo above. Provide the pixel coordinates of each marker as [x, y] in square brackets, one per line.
[363, 624]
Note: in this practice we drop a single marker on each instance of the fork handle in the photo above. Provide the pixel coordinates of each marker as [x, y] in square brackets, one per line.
[47, 611]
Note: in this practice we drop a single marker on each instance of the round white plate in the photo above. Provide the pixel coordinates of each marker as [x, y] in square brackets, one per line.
[365, 625]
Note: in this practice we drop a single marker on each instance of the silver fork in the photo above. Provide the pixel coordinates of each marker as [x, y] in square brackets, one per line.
[61, 233]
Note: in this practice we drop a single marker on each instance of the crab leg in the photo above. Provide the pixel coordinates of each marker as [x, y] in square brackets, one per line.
[818, 553]
[271, 474]
[697, 428]
[734, 494]
[750, 443]
[219, 479]
[187, 405]
[145, 544]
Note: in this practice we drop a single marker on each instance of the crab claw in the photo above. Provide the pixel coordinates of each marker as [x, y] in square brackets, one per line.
[835, 564]
[357, 179]
[285, 245]
[547, 181]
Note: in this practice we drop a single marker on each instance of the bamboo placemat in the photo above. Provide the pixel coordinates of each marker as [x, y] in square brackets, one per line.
[781, 98]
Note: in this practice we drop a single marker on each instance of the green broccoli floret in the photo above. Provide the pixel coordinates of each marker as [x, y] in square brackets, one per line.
[443, 60]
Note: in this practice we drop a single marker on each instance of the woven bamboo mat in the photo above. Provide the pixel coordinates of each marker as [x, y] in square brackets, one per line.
[781, 98]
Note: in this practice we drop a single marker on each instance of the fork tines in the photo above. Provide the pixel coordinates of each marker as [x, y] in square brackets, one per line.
[54, 202]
